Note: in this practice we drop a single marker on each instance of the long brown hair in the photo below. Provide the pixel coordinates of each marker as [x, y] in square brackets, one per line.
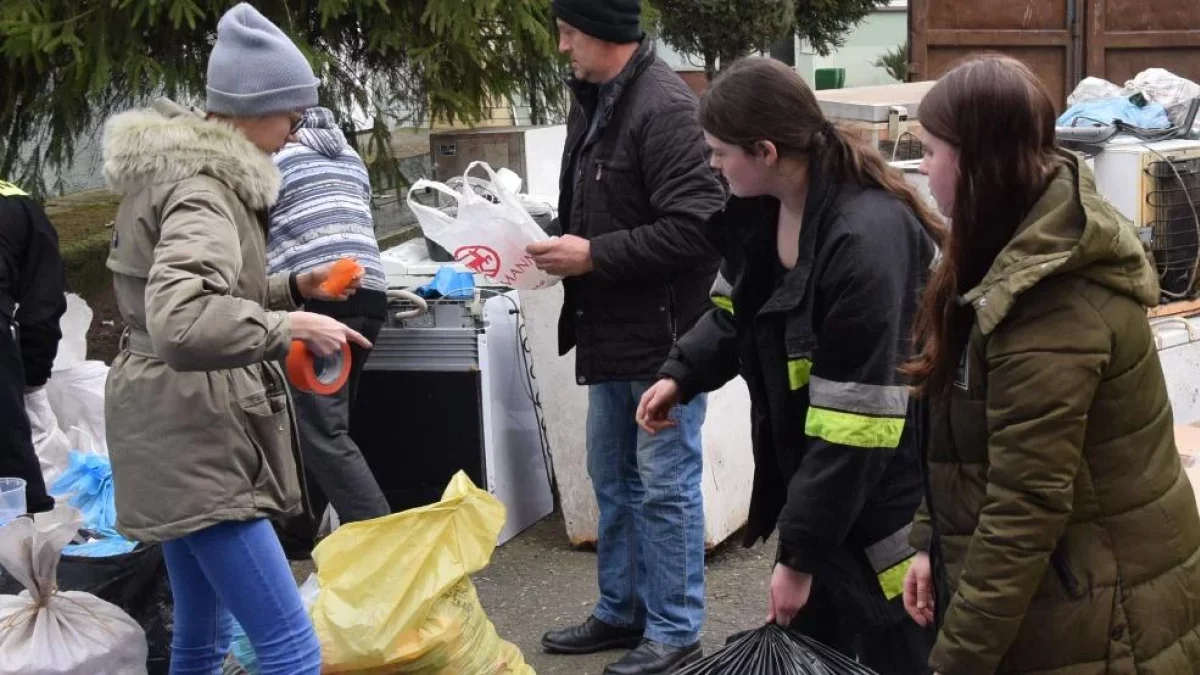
[996, 113]
[760, 99]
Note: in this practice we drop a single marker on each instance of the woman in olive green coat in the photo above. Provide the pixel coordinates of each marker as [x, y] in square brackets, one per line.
[1057, 509]
[199, 423]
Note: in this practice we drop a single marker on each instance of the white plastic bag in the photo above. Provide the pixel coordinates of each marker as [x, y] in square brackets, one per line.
[76, 387]
[44, 631]
[77, 397]
[1094, 89]
[487, 238]
[51, 444]
[309, 591]
[1175, 93]
[74, 324]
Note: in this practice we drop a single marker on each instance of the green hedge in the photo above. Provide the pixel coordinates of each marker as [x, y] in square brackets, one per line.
[84, 261]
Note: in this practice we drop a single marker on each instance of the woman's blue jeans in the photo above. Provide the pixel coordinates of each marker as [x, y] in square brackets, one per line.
[237, 570]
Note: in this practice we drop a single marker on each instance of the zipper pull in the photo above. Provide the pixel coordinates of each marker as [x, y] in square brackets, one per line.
[599, 171]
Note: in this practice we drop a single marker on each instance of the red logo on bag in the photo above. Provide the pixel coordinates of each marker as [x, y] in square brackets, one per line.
[479, 259]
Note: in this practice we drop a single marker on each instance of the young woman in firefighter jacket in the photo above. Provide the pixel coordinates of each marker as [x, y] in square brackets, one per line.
[825, 251]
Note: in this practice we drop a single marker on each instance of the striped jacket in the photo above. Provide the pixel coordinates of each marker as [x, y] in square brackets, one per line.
[324, 207]
[836, 467]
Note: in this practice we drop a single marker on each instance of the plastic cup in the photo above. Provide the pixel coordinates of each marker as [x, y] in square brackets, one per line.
[12, 499]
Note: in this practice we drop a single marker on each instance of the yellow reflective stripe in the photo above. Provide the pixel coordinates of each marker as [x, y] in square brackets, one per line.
[799, 371]
[891, 580]
[860, 431]
[723, 302]
[9, 190]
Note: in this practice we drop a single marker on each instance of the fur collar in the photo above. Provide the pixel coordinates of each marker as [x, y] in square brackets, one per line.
[168, 143]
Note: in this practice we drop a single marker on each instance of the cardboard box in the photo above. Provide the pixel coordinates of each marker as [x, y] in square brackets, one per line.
[1187, 439]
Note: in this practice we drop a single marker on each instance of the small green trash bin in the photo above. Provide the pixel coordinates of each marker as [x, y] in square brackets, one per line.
[831, 78]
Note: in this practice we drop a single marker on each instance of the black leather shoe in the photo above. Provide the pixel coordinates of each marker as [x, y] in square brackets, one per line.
[653, 658]
[590, 637]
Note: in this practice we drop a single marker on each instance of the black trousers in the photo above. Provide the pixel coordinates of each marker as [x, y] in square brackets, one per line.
[335, 470]
[17, 456]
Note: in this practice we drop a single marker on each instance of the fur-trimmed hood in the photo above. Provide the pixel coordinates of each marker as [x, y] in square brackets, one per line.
[168, 143]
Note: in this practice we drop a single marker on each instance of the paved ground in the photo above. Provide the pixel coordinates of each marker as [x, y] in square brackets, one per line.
[537, 582]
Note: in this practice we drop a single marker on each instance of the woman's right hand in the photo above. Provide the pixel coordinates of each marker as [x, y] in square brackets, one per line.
[322, 335]
[918, 590]
[654, 410]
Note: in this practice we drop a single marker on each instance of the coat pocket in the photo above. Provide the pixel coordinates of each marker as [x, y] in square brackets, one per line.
[268, 425]
[1066, 576]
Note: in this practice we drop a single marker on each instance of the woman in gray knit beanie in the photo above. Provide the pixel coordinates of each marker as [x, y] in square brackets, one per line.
[199, 425]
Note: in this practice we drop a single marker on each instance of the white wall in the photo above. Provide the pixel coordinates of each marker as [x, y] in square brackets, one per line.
[728, 457]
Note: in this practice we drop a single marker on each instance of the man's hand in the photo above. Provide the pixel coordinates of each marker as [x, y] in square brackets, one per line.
[310, 284]
[565, 256]
[789, 594]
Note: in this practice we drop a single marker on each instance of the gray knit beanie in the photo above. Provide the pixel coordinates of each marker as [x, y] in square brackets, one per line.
[255, 70]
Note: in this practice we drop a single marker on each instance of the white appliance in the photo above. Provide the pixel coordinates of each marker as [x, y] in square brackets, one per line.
[449, 390]
[1157, 186]
[912, 174]
[1178, 343]
[883, 115]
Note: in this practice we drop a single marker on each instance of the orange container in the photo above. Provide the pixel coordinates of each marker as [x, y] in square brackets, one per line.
[341, 275]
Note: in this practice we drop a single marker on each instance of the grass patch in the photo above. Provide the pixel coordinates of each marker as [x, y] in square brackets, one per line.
[83, 221]
[82, 216]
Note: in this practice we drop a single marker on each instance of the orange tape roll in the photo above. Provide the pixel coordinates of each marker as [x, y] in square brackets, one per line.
[318, 375]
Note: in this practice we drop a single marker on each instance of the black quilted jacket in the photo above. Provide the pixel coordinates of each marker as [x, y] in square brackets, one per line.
[636, 183]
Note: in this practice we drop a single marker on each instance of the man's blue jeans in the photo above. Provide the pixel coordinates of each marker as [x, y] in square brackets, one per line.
[651, 537]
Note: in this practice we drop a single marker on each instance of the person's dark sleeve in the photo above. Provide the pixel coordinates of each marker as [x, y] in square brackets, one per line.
[706, 357]
[857, 401]
[42, 300]
[684, 193]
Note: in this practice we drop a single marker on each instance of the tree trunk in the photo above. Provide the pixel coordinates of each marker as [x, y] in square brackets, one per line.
[537, 115]
[729, 58]
[12, 147]
[710, 65]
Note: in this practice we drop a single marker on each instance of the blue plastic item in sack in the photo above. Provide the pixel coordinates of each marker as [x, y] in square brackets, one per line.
[87, 485]
[449, 283]
[1104, 111]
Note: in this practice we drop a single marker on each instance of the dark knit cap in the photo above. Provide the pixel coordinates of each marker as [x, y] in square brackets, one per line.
[618, 21]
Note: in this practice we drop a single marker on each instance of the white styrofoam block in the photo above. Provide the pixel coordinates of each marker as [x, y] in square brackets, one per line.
[728, 458]
[1179, 352]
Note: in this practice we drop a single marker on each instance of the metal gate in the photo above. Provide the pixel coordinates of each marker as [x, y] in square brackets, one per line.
[1061, 40]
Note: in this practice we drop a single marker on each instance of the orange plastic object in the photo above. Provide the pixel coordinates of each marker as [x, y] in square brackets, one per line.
[340, 275]
[316, 375]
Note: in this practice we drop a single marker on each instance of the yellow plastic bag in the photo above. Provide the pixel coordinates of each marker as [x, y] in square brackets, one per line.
[396, 594]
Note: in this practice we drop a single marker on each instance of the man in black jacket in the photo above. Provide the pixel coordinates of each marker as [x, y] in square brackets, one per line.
[635, 191]
[31, 303]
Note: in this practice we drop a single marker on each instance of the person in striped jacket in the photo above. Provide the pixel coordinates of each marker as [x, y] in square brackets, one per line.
[324, 214]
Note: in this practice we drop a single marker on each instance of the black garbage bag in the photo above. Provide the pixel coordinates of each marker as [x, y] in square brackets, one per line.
[136, 582]
[772, 650]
